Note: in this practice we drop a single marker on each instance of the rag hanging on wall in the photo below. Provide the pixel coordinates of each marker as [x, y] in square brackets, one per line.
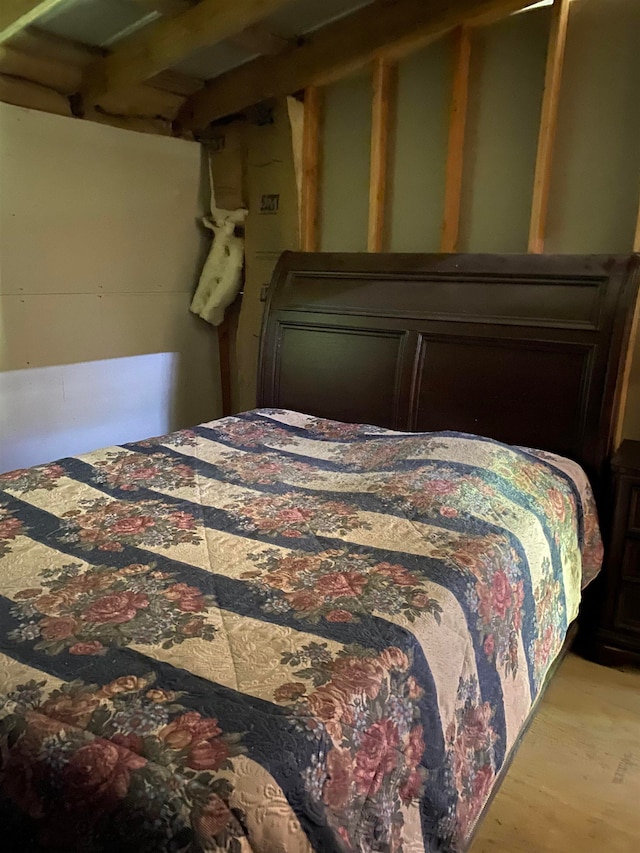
[221, 276]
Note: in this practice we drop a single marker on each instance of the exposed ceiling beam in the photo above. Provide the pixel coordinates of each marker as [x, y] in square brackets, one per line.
[15, 15]
[256, 39]
[385, 28]
[165, 7]
[168, 40]
[72, 58]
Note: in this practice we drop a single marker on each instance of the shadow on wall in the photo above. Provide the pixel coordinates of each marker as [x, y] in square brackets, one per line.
[71, 409]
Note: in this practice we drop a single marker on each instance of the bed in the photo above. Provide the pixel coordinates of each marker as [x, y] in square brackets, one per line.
[323, 624]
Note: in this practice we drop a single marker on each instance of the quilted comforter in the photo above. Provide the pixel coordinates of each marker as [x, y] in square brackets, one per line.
[277, 633]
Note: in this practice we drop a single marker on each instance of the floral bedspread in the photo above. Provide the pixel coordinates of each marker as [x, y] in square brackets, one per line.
[277, 633]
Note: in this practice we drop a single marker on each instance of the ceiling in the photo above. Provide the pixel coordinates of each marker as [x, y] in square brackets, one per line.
[175, 66]
[103, 23]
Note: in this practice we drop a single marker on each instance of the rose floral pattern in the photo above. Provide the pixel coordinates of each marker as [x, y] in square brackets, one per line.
[10, 527]
[126, 760]
[109, 525]
[471, 740]
[295, 515]
[378, 453]
[548, 639]
[366, 704]
[181, 438]
[264, 470]
[496, 596]
[439, 491]
[339, 586]
[387, 607]
[87, 611]
[31, 479]
[248, 433]
[324, 429]
[132, 471]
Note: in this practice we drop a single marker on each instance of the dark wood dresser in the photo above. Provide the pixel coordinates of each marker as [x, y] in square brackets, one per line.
[618, 635]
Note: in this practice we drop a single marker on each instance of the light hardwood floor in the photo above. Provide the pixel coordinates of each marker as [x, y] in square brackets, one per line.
[574, 784]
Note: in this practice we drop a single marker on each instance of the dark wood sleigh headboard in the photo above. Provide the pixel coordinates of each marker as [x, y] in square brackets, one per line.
[526, 349]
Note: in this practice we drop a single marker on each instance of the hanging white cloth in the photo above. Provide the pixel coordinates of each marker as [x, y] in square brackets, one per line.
[221, 276]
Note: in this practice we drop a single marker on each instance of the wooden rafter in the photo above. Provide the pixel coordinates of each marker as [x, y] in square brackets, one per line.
[40, 71]
[165, 7]
[548, 124]
[455, 149]
[258, 39]
[166, 41]
[384, 85]
[310, 194]
[76, 57]
[388, 27]
[58, 65]
[15, 15]
[255, 39]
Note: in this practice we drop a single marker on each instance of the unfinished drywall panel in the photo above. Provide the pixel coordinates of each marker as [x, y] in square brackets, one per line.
[596, 174]
[100, 247]
[505, 99]
[345, 159]
[92, 209]
[271, 228]
[416, 198]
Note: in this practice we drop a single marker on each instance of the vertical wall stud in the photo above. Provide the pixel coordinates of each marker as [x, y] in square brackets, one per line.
[455, 149]
[636, 239]
[382, 117]
[312, 129]
[548, 124]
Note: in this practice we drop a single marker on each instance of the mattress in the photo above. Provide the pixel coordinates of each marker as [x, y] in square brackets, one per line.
[276, 632]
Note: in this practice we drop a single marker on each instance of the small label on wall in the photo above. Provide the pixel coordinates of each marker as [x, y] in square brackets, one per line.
[270, 203]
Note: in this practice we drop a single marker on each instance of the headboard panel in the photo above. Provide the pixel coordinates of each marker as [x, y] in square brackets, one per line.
[527, 349]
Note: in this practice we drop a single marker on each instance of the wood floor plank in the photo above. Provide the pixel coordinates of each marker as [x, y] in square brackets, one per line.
[575, 782]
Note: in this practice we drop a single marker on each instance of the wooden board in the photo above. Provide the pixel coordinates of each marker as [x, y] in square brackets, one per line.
[382, 120]
[311, 145]
[574, 783]
[548, 123]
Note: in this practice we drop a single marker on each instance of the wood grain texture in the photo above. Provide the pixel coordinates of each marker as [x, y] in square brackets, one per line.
[382, 119]
[455, 147]
[63, 77]
[168, 40]
[485, 344]
[165, 7]
[621, 402]
[391, 28]
[43, 44]
[34, 96]
[255, 39]
[574, 783]
[618, 633]
[148, 101]
[548, 124]
[15, 15]
[75, 57]
[311, 159]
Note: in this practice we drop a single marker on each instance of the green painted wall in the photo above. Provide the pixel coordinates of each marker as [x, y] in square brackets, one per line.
[416, 196]
[345, 164]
